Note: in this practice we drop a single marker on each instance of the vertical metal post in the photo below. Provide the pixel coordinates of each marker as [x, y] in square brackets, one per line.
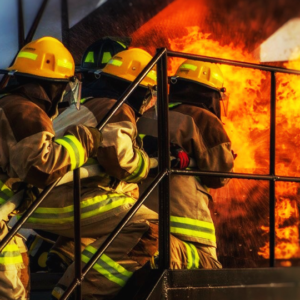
[77, 230]
[65, 22]
[20, 24]
[164, 163]
[272, 169]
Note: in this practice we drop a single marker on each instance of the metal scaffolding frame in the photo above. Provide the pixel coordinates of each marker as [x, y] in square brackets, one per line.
[162, 179]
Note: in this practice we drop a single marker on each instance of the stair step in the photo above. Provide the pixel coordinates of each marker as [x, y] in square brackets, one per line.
[287, 291]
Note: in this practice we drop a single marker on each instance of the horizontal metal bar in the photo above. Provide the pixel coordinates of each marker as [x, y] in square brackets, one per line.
[27, 214]
[232, 62]
[114, 233]
[235, 175]
[131, 88]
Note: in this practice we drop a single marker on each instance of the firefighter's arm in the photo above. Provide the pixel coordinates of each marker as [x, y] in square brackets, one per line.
[40, 159]
[120, 155]
[212, 149]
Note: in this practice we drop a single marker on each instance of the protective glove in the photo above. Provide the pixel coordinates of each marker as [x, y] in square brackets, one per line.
[97, 136]
[182, 160]
[30, 194]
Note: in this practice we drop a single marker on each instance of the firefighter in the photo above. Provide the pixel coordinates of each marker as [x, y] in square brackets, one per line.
[44, 70]
[95, 58]
[196, 131]
[98, 54]
[108, 195]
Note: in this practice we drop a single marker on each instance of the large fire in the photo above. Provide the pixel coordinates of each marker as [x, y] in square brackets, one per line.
[248, 125]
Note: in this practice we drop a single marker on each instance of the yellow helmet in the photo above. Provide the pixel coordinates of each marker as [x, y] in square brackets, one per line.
[45, 58]
[128, 64]
[205, 73]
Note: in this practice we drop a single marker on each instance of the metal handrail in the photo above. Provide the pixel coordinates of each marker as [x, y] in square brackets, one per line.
[113, 235]
[77, 281]
[232, 62]
[27, 214]
[235, 175]
[273, 71]
[164, 167]
[100, 126]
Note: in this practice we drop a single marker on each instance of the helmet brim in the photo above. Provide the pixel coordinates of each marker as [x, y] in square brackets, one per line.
[39, 77]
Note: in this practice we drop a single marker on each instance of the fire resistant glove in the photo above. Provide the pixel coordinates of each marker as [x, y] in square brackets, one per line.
[30, 194]
[182, 160]
[97, 136]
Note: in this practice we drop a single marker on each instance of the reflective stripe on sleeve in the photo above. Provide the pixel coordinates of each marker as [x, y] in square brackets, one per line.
[5, 192]
[10, 255]
[107, 267]
[89, 208]
[74, 148]
[193, 259]
[193, 227]
[141, 169]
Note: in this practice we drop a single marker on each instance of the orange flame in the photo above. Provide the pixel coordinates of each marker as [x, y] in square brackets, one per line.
[248, 124]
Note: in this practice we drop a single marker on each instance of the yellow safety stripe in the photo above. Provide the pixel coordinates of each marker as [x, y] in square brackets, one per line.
[64, 64]
[115, 62]
[74, 148]
[193, 228]
[193, 259]
[121, 44]
[28, 55]
[10, 248]
[172, 105]
[90, 57]
[141, 135]
[83, 100]
[5, 192]
[152, 75]
[141, 169]
[89, 208]
[106, 57]
[11, 255]
[188, 66]
[107, 267]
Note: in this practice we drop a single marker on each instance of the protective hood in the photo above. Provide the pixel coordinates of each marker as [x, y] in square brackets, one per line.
[46, 94]
[195, 94]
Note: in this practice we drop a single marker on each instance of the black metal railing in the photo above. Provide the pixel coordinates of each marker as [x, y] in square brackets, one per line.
[164, 169]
